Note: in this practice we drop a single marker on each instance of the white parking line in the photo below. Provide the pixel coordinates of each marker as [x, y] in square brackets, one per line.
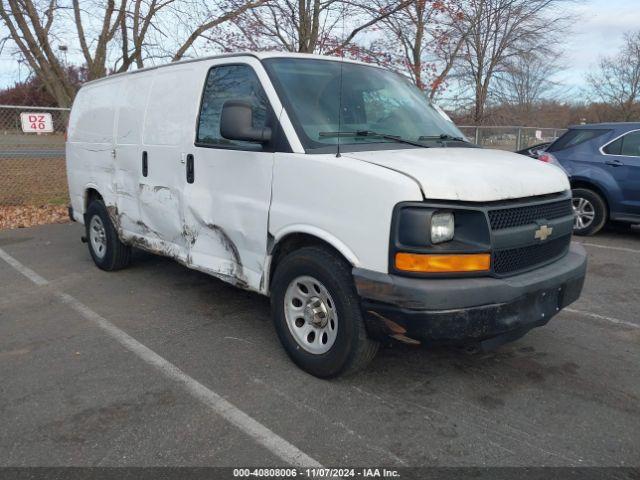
[617, 321]
[620, 249]
[27, 272]
[260, 433]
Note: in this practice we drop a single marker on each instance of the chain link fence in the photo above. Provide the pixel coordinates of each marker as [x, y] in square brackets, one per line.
[510, 138]
[32, 166]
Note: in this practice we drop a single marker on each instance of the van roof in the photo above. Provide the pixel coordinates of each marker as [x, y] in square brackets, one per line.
[258, 55]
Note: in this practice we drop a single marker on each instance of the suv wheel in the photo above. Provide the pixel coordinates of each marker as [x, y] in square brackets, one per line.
[316, 313]
[590, 212]
[106, 249]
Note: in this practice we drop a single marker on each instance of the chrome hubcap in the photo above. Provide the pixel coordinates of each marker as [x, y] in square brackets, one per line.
[316, 312]
[311, 315]
[583, 213]
[98, 237]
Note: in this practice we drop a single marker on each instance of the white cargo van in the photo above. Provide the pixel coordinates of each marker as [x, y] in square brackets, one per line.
[332, 186]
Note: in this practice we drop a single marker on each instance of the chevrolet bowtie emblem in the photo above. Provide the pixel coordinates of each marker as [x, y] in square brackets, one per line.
[543, 233]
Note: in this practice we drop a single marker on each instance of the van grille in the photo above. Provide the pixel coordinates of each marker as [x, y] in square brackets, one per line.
[518, 216]
[513, 260]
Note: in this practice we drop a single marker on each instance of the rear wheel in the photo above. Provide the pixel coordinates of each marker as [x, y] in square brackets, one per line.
[316, 313]
[589, 210]
[106, 249]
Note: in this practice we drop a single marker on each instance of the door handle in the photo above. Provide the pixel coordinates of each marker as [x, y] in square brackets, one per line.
[190, 170]
[145, 164]
[615, 163]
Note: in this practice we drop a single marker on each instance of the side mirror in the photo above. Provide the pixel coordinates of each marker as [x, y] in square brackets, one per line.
[236, 123]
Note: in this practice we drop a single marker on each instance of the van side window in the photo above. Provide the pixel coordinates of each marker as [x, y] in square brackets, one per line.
[230, 82]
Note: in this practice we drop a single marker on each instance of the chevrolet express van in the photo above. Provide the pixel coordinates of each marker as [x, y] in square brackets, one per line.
[332, 186]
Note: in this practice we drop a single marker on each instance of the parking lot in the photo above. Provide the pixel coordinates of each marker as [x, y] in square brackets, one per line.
[162, 365]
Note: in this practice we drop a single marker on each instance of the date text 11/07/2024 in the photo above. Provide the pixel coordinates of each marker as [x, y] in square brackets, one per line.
[316, 472]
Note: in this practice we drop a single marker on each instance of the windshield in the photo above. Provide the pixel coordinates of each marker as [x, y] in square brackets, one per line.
[372, 100]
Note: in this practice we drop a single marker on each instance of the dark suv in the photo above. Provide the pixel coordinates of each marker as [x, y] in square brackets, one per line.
[603, 164]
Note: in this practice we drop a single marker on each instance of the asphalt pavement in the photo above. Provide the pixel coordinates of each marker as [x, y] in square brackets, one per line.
[161, 365]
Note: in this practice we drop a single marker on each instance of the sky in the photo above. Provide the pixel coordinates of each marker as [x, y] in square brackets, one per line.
[597, 32]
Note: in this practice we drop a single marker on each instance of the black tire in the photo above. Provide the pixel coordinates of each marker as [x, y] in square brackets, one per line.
[352, 349]
[116, 255]
[599, 209]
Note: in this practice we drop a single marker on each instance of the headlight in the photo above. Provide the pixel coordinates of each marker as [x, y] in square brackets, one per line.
[442, 227]
[434, 239]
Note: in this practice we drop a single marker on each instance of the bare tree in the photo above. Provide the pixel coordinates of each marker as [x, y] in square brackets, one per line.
[30, 28]
[524, 81]
[111, 35]
[136, 18]
[169, 29]
[209, 16]
[423, 41]
[499, 30]
[617, 81]
[31, 24]
[309, 26]
[114, 17]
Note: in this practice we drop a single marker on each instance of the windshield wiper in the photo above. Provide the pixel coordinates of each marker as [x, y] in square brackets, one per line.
[444, 136]
[371, 133]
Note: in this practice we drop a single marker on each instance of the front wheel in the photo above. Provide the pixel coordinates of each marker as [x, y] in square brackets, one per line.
[316, 313]
[589, 210]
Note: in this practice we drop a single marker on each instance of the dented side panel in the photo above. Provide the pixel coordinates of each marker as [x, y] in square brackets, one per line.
[131, 105]
[226, 209]
[167, 121]
[218, 224]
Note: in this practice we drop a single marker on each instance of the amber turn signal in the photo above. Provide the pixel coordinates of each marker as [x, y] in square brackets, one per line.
[458, 263]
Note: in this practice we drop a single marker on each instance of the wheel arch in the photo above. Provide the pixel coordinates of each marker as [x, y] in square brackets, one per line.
[590, 185]
[91, 193]
[297, 237]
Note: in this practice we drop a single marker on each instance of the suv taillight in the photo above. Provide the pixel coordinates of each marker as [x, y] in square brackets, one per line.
[547, 158]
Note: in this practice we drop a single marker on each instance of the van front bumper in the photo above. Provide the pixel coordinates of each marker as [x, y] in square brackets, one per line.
[482, 311]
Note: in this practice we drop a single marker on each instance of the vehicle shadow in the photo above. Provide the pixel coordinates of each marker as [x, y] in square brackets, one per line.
[407, 370]
[621, 231]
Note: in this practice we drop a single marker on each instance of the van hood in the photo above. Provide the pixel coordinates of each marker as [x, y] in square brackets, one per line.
[470, 174]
